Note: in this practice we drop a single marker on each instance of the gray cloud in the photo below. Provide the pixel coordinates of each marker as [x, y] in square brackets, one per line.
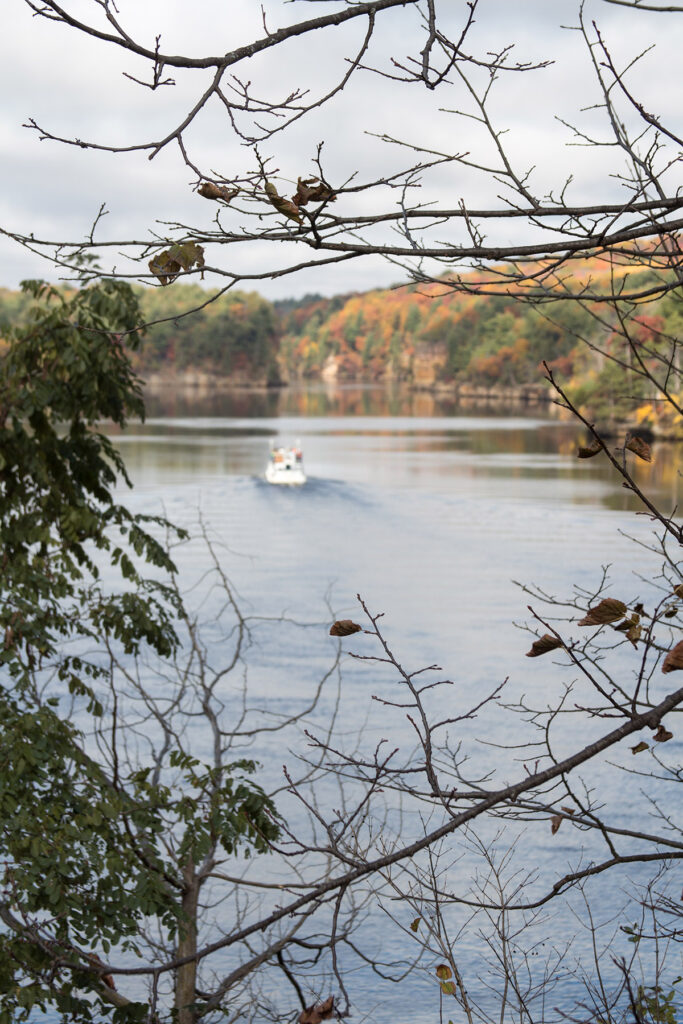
[74, 86]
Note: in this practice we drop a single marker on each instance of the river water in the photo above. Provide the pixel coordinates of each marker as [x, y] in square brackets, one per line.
[434, 514]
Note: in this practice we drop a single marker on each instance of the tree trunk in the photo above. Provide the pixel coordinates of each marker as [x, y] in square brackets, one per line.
[186, 975]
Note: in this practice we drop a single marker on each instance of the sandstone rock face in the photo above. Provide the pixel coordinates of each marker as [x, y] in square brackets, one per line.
[330, 370]
[429, 360]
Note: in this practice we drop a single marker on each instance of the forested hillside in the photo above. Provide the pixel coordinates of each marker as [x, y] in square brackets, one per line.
[234, 336]
[425, 336]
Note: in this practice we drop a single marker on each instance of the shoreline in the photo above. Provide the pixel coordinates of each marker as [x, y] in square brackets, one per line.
[524, 396]
[201, 380]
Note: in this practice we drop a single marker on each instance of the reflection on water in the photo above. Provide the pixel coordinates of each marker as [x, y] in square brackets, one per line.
[377, 433]
[317, 400]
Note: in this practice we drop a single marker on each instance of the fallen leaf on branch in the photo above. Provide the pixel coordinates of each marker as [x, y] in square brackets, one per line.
[678, 591]
[210, 190]
[634, 634]
[639, 747]
[544, 644]
[609, 610]
[319, 1012]
[663, 735]
[168, 264]
[188, 254]
[164, 267]
[568, 810]
[631, 628]
[414, 925]
[448, 988]
[639, 447]
[555, 823]
[590, 451]
[282, 205]
[628, 624]
[344, 627]
[312, 190]
[443, 972]
[674, 659]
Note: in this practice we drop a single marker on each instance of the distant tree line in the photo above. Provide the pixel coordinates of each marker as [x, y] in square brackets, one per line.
[485, 341]
[191, 328]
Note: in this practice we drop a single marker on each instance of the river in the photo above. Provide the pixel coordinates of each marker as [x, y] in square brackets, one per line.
[434, 514]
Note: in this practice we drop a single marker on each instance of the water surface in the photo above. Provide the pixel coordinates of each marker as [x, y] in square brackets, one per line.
[434, 515]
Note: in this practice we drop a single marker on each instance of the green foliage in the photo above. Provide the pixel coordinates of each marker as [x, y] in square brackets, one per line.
[64, 370]
[74, 838]
[656, 1005]
[84, 839]
[222, 806]
[234, 335]
[609, 390]
[86, 862]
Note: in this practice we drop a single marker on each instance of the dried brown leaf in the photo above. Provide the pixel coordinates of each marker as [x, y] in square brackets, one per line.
[639, 447]
[312, 190]
[317, 1013]
[674, 659]
[555, 823]
[282, 205]
[544, 644]
[168, 264]
[639, 747]
[448, 988]
[344, 627]
[634, 634]
[593, 449]
[609, 610]
[662, 735]
[628, 623]
[106, 978]
[678, 591]
[188, 255]
[670, 611]
[414, 925]
[443, 972]
[164, 267]
[210, 190]
[568, 810]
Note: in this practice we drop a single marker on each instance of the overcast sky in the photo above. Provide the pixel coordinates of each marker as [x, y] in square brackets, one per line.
[74, 86]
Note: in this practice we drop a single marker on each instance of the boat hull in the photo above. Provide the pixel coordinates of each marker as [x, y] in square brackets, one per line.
[286, 476]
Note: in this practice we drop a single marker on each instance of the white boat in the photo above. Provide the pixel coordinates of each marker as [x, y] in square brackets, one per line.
[286, 466]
